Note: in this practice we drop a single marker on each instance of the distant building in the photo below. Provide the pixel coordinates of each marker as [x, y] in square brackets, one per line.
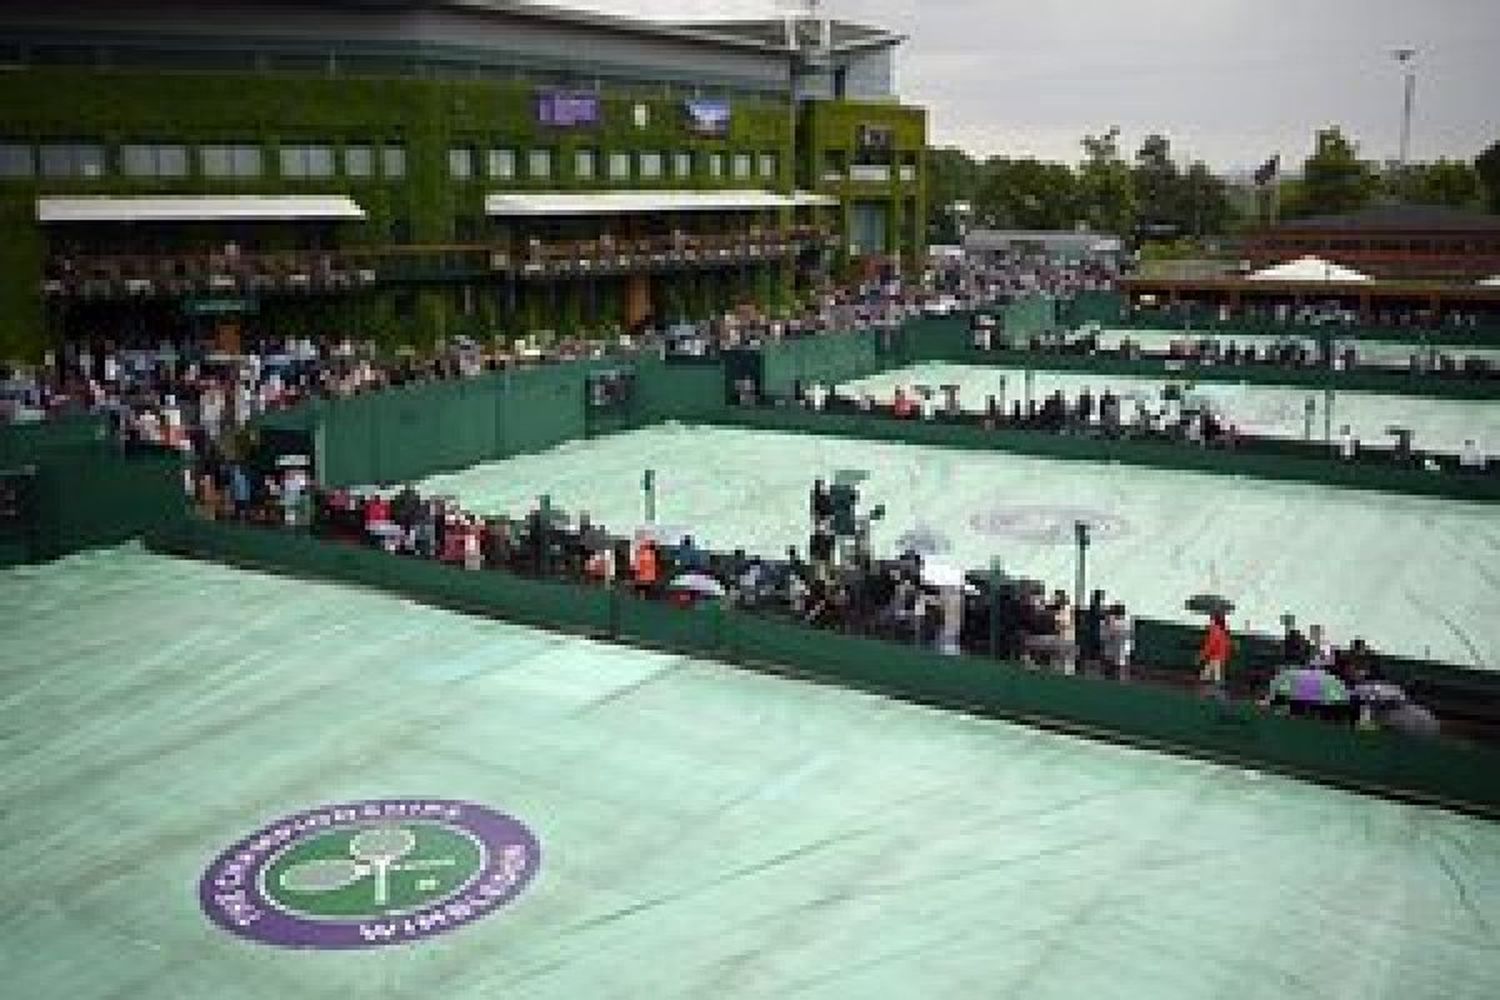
[1068, 244]
[1402, 242]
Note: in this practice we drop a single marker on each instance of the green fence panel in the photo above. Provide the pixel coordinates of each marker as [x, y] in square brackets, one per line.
[664, 625]
[28, 444]
[1104, 308]
[1150, 454]
[679, 391]
[1396, 383]
[542, 407]
[85, 499]
[1208, 324]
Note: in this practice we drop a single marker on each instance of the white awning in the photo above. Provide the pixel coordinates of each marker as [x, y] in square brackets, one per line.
[198, 208]
[809, 198]
[551, 203]
[1310, 269]
[1490, 282]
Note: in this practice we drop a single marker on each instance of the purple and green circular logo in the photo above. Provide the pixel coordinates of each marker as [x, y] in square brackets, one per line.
[365, 874]
[1047, 524]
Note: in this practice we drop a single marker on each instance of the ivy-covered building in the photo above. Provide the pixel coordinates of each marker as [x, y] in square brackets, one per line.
[417, 168]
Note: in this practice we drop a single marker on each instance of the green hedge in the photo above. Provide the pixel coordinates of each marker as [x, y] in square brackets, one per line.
[1443, 772]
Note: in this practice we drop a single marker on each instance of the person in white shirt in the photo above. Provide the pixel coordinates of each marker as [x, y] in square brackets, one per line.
[1471, 457]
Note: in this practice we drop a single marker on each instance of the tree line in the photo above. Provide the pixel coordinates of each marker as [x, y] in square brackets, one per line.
[1153, 197]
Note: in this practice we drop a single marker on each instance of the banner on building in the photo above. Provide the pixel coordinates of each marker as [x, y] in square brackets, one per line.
[707, 117]
[567, 108]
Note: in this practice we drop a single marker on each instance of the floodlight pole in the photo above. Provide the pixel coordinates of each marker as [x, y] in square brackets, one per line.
[1404, 58]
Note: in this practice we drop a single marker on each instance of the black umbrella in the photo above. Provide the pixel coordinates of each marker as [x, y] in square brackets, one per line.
[1208, 604]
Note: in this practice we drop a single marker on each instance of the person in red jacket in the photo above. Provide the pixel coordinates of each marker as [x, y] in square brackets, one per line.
[1216, 649]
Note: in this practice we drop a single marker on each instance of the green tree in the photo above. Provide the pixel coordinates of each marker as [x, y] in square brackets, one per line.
[1160, 205]
[1209, 209]
[1106, 190]
[1027, 194]
[1334, 179]
[1487, 167]
[1446, 182]
[952, 177]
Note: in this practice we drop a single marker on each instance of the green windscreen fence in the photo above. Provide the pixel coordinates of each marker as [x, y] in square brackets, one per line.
[1445, 771]
[65, 486]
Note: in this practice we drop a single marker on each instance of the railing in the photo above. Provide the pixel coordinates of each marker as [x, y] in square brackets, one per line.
[126, 276]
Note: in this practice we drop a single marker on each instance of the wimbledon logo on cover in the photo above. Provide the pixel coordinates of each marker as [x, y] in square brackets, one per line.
[369, 873]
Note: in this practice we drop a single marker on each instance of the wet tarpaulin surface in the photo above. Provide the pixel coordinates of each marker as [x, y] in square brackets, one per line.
[705, 831]
[1412, 575]
[1439, 425]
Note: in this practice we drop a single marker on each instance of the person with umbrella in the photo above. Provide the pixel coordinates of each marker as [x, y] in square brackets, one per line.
[1215, 651]
[1309, 691]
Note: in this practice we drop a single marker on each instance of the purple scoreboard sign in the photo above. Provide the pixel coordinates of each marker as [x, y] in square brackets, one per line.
[567, 108]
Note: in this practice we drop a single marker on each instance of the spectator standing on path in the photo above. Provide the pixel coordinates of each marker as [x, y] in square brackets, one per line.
[1215, 652]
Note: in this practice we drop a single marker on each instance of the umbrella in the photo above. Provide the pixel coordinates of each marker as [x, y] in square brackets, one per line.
[1306, 684]
[662, 534]
[942, 575]
[700, 584]
[1379, 693]
[1207, 604]
[922, 540]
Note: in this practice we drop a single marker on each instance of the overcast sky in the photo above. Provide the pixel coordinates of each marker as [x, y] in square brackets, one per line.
[1229, 81]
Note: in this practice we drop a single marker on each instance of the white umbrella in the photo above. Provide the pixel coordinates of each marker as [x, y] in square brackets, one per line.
[942, 575]
[698, 583]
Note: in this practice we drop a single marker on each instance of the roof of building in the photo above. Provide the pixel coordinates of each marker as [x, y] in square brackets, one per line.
[799, 32]
[728, 33]
[554, 203]
[198, 208]
[1415, 218]
[998, 239]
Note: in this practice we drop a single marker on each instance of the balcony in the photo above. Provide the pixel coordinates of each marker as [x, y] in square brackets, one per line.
[180, 275]
[870, 173]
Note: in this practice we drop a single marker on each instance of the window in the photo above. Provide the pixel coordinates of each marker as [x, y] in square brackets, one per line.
[16, 160]
[151, 160]
[619, 166]
[716, 165]
[502, 165]
[359, 161]
[682, 164]
[651, 166]
[539, 164]
[585, 163]
[235, 160]
[307, 161]
[741, 165]
[393, 160]
[72, 159]
[768, 165]
[460, 163]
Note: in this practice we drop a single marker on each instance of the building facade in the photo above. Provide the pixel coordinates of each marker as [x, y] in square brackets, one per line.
[418, 168]
[1396, 242]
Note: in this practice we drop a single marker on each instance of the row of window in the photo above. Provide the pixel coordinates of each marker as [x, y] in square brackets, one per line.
[223, 160]
[464, 163]
[318, 160]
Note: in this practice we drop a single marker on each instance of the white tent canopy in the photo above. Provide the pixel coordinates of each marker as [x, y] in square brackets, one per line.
[1310, 269]
[1493, 282]
[551, 203]
[198, 208]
